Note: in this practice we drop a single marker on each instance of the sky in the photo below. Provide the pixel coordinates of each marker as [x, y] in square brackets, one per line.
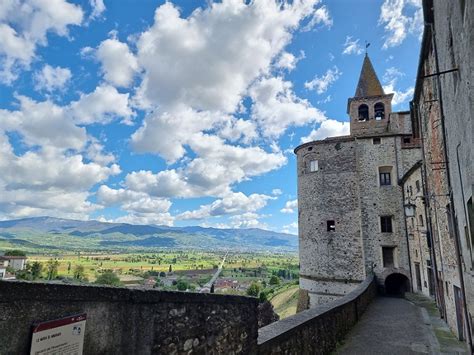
[183, 112]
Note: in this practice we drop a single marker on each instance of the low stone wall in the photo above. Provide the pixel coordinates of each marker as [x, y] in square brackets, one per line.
[317, 330]
[127, 321]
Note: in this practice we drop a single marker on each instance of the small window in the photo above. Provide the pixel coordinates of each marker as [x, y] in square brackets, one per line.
[420, 220]
[376, 140]
[388, 256]
[418, 185]
[411, 190]
[313, 166]
[385, 179]
[331, 226]
[386, 224]
[363, 112]
[407, 140]
[379, 110]
[385, 175]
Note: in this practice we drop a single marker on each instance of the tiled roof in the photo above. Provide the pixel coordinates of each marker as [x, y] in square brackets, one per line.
[369, 84]
[7, 257]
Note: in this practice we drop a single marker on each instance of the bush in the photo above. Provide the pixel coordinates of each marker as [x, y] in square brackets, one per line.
[15, 253]
[274, 280]
[182, 285]
[108, 278]
[254, 289]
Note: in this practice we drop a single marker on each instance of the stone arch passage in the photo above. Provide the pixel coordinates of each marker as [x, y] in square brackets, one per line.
[396, 285]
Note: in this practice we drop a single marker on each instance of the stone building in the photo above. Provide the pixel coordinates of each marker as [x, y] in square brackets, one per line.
[351, 208]
[442, 111]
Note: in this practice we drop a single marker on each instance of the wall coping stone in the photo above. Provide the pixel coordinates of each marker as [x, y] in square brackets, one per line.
[14, 290]
[299, 320]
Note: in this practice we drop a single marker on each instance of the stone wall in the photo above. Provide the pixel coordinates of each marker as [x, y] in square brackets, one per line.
[127, 321]
[317, 330]
[331, 262]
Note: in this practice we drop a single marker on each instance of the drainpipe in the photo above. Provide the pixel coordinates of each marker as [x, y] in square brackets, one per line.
[463, 198]
[451, 199]
[429, 223]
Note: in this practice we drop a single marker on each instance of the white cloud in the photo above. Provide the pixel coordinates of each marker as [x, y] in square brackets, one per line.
[39, 124]
[290, 206]
[119, 65]
[98, 8]
[391, 77]
[288, 60]
[275, 107]
[400, 18]
[322, 84]
[231, 204]
[101, 106]
[399, 96]
[329, 128]
[276, 192]
[217, 167]
[47, 182]
[320, 16]
[24, 25]
[208, 60]
[352, 46]
[52, 78]
[247, 220]
[291, 228]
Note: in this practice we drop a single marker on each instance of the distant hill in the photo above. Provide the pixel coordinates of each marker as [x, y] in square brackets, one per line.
[56, 233]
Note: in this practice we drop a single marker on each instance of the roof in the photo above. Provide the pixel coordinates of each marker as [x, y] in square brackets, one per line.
[369, 84]
[8, 257]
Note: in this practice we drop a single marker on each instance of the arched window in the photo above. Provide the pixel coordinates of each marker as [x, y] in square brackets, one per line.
[379, 110]
[363, 112]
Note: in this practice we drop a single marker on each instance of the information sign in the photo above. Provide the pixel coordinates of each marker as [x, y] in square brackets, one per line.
[59, 337]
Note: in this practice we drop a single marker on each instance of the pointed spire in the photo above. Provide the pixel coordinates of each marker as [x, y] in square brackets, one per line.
[369, 84]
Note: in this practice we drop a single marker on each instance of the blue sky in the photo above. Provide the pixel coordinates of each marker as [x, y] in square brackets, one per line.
[185, 112]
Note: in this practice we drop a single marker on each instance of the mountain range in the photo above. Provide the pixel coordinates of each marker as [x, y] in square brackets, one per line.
[48, 233]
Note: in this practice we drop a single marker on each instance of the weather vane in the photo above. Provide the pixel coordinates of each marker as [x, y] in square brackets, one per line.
[367, 44]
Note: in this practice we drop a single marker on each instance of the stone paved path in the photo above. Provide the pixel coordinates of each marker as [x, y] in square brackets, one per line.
[399, 326]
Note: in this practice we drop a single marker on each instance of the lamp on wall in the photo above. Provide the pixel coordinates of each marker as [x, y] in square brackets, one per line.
[409, 209]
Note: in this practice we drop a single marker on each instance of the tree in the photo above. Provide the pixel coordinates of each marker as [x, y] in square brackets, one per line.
[69, 267]
[212, 288]
[52, 269]
[263, 297]
[79, 272]
[15, 252]
[162, 274]
[254, 289]
[274, 280]
[170, 269]
[36, 269]
[108, 278]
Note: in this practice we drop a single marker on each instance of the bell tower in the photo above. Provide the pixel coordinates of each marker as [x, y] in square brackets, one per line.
[370, 108]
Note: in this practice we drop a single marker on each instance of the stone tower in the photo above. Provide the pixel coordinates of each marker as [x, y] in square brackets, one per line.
[350, 207]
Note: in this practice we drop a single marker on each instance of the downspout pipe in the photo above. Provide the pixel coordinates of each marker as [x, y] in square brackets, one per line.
[451, 199]
[429, 223]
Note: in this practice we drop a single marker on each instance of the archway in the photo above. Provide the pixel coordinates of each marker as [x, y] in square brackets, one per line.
[396, 285]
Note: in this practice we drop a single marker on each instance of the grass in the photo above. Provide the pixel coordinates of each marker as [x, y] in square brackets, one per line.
[286, 301]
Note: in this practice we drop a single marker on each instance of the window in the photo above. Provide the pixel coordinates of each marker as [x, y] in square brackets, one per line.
[386, 224]
[377, 140]
[331, 226]
[379, 109]
[385, 175]
[420, 220]
[363, 112]
[411, 190]
[385, 179]
[406, 140]
[388, 256]
[313, 165]
[418, 185]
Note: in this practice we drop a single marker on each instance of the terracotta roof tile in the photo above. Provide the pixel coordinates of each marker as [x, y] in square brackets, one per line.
[369, 84]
